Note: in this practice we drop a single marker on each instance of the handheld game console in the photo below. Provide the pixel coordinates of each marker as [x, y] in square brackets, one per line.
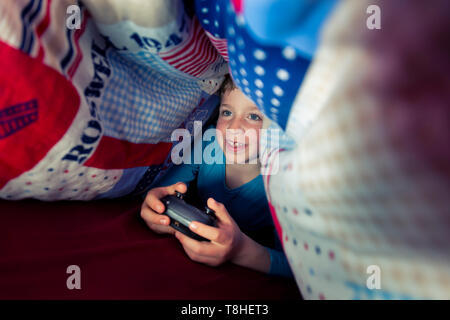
[181, 214]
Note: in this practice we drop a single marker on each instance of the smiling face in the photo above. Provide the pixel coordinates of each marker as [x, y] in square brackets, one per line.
[238, 127]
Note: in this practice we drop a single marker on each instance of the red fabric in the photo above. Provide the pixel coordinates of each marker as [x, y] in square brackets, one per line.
[119, 257]
[238, 4]
[41, 29]
[22, 80]
[127, 154]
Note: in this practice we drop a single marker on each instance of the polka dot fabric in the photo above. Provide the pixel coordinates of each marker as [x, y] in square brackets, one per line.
[348, 198]
[269, 75]
[56, 182]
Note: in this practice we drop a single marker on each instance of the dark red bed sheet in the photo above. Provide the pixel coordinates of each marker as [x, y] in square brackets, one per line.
[119, 257]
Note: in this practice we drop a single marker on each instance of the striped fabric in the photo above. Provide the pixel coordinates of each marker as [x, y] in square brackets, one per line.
[14, 118]
[29, 16]
[195, 55]
[219, 44]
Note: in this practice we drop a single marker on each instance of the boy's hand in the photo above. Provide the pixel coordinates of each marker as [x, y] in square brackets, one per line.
[225, 243]
[152, 208]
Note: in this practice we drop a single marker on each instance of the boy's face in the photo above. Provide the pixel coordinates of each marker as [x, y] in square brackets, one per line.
[238, 127]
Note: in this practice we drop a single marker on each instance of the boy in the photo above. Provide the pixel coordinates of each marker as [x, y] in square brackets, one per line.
[234, 189]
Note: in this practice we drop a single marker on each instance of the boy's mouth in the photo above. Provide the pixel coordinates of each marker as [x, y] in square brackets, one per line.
[234, 146]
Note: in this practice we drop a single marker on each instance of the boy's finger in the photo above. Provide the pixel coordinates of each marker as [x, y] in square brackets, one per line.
[154, 218]
[197, 248]
[220, 210]
[179, 186]
[152, 201]
[211, 233]
[161, 229]
[188, 242]
[153, 196]
[211, 261]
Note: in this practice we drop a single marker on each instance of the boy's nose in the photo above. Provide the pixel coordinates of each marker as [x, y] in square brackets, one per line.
[236, 124]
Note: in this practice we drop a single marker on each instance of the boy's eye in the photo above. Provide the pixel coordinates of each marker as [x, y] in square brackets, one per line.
[226, 113]
[255, 117]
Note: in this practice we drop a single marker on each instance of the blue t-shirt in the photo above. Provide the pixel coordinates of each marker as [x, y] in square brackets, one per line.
[247, 204]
